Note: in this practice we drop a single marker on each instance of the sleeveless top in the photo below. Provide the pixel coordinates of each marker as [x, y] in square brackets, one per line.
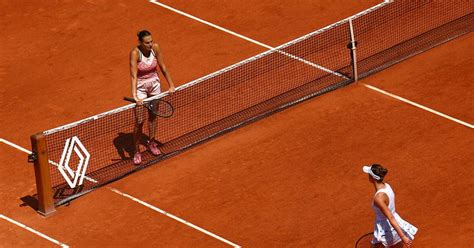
[147, 66]
[383, 231]
[379, 216]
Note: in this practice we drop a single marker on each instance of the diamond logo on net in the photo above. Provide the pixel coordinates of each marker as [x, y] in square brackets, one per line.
[74, 177]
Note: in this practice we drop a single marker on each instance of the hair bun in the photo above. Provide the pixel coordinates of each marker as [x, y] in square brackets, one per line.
[379, 170]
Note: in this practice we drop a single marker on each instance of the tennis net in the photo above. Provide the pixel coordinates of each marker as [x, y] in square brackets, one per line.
[89, 153]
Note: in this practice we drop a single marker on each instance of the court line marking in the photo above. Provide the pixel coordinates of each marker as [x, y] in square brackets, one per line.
[172, 216]
[138, 201]
[418, 105]
[49, 161]
[214, 74]
[33, 231]
[248, 39]
[276, 49]
[15, 146]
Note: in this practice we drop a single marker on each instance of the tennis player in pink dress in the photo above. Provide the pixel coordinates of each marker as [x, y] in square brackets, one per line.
[145, 62]
[390, 229]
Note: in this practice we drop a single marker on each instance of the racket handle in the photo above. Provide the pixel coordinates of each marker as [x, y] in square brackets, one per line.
[129, 99]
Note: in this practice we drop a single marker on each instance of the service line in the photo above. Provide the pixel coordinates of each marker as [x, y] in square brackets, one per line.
[172, 216]
[33, 231]
[248, 39]
[311, 63]
[419, 106]
[128, 197]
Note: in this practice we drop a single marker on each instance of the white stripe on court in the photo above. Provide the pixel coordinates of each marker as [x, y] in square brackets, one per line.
[216, 73]
[33, 231]
[29, 152]
[172, 216]
[248, 39]
[15, 146]
[312, 64]
[139, 201]
[419, 106]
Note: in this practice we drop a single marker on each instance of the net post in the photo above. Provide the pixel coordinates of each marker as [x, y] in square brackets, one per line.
[352, 45]
[42, 175]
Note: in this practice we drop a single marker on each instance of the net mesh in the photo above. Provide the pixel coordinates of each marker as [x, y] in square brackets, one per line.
[251, 89]
[405, 28]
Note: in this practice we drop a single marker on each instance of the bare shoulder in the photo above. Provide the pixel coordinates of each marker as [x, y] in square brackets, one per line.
[134, 54]
[156, 48]
[380, 195]
[381, 199]
[134, 51]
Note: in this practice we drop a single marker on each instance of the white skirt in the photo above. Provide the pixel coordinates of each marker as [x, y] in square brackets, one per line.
[384, 232]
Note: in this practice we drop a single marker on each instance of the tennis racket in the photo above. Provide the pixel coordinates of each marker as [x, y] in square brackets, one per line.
[365, 241]
[158, 107]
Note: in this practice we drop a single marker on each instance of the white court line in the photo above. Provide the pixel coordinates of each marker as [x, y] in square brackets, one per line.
[15, 146]
[418, 105]
[29, 152]
[33, 231]
[226, 69]
[133, 199]
[173, 217]
[318, 66]
[247, 38]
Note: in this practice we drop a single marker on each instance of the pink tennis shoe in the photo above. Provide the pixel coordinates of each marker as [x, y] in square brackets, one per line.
[153, 147]
[137, 158]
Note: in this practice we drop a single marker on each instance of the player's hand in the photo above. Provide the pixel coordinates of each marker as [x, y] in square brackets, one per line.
[407, 242]
[139, 101]
[171, 90]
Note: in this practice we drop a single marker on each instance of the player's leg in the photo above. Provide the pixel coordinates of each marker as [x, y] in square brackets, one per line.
[155, 89]
[152, 143]
[137, 133]
[140, 116]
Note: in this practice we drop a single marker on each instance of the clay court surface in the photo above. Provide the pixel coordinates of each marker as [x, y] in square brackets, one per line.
[292, 179]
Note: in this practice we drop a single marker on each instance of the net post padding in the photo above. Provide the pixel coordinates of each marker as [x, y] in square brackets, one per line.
[46, 205]
[352, 46]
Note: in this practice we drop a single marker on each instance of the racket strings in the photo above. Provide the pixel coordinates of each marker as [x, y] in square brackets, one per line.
[161, 108]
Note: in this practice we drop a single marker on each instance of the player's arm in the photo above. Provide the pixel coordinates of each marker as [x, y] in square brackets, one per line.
[161, 64]
[133, 73]
[381, 201]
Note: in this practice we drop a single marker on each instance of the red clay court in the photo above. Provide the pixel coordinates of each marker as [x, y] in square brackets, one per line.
[291, 179]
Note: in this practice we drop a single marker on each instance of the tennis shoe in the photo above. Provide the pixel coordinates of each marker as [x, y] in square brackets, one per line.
[137, 158]
[153, 147]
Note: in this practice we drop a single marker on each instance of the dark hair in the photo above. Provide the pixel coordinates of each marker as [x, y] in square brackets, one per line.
[142, 34]
[379, 170]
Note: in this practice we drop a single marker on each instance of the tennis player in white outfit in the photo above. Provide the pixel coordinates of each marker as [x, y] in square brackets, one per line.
[390, 229]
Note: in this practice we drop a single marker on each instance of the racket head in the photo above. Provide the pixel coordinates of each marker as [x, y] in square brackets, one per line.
[160, 107]
[365, 241]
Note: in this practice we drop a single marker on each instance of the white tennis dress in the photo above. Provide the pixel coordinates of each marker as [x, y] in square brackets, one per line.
[383, 231]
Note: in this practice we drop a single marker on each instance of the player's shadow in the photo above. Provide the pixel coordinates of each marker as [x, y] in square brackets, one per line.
[124, 144]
